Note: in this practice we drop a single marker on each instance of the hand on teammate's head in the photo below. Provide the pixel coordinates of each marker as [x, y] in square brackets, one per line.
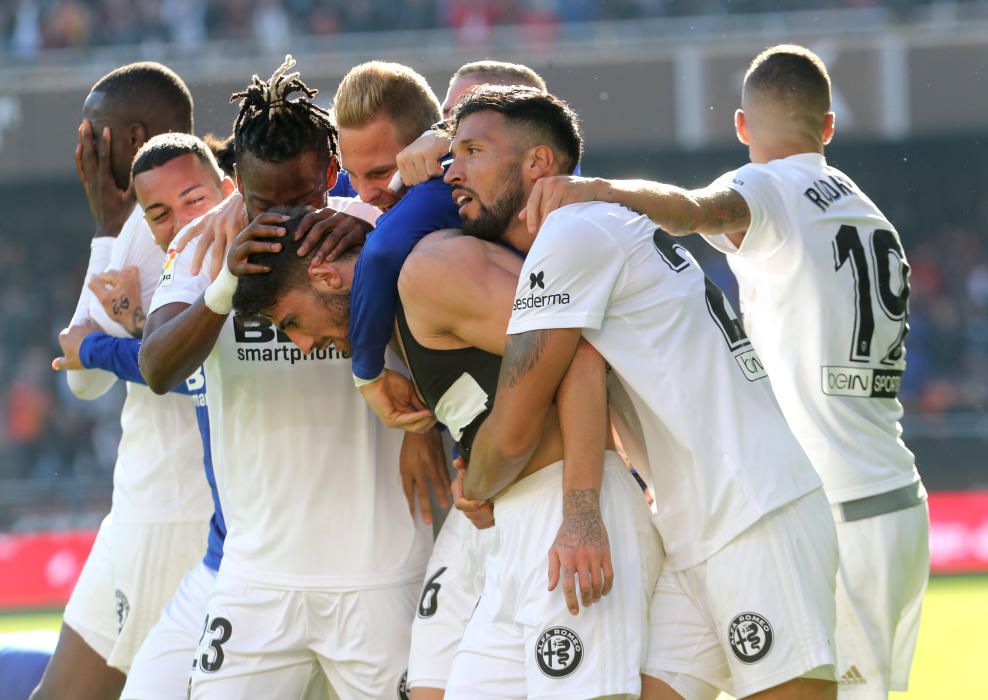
[333, 232]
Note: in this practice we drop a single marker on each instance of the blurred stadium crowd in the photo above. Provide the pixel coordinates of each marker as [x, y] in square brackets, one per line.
[30, 26]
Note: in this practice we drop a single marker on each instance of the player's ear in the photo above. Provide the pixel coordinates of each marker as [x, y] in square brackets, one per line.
[227, 187]
[540, 162]
[325, 277]
[829, 127]
[137, 134]
[740, 126]
[332, 173]
[239, 181]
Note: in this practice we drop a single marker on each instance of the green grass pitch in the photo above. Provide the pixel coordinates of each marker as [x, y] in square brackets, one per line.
[953, 643]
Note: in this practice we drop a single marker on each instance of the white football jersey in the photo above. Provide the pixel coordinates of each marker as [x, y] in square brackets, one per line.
[824, 287]
[158, 475]
[720, 453]
[307, 474]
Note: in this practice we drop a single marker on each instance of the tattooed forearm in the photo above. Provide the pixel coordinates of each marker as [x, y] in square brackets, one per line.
[129, 316]
[723, 211]
[581, 518]
[521, 354]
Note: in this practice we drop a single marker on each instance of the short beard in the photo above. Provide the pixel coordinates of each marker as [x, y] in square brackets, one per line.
[338, 306]
[492, 223]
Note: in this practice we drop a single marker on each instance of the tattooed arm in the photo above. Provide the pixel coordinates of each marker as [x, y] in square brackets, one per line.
[119, 292]
[533, 366]
[581, 550]
[716, 209]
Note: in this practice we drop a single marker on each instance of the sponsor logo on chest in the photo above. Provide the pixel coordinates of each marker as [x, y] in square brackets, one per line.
[258, 340]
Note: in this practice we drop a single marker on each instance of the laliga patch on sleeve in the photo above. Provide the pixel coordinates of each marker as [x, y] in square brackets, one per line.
[168, 268]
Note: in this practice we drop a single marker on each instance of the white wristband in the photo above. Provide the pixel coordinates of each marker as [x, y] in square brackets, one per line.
[219, 294]
[361, 383]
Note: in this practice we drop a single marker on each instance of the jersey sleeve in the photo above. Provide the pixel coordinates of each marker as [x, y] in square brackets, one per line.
[89, 384]
[135, 247]
[176, 283]
[425, 208]
[568, 275]
[769, 214]
[116, 355]
[100, 251]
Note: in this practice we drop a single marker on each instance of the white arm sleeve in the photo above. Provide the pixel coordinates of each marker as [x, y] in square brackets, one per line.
[89, 384]
[568, 275]
[769, 213]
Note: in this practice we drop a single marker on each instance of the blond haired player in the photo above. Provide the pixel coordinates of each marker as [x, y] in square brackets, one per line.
[824, 289]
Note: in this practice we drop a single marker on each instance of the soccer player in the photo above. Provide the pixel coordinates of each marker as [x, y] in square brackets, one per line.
[381, 107]
[824, 288]
[745, 602]
[322, 562]
[176, 179]
[420, 160]
[161, 503]
[522, 641]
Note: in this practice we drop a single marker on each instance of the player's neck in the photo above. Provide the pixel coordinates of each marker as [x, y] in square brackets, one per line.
[763, 153]
[518, 237]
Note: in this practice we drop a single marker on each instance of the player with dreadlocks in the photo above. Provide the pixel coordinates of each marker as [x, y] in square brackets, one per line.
[322, 560]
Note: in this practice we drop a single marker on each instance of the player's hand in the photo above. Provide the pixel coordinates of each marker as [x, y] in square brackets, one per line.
[110, 205]
[220, 225]
[480, 513]
[419, 160]
[393, 400]
[70, 340]
[550, 193]
[334, 232]
[255, 239]
[119, 292]
[581, 552]
[422, 462]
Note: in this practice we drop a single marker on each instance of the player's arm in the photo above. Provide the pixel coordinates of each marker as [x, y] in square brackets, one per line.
[533, 366]
[451, 287]
[713, 210]
[179, 336]
[374, 296]
[581, 549]
[85, 346]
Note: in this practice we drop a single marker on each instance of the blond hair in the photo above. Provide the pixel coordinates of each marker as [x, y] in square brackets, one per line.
[397, 91]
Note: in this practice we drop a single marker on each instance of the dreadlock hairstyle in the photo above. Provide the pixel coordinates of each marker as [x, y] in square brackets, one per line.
[274, 127]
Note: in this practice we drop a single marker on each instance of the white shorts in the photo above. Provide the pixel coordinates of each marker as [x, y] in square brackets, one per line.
[522, 642]
[756, 614]
[884, 567]
[454, 580]
[131, 573]
[263, 642]
[163, 666]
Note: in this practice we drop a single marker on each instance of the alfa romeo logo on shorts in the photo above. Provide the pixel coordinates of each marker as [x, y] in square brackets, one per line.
[750, 637]
[403, 686]
[123, 609]
[559, 652]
